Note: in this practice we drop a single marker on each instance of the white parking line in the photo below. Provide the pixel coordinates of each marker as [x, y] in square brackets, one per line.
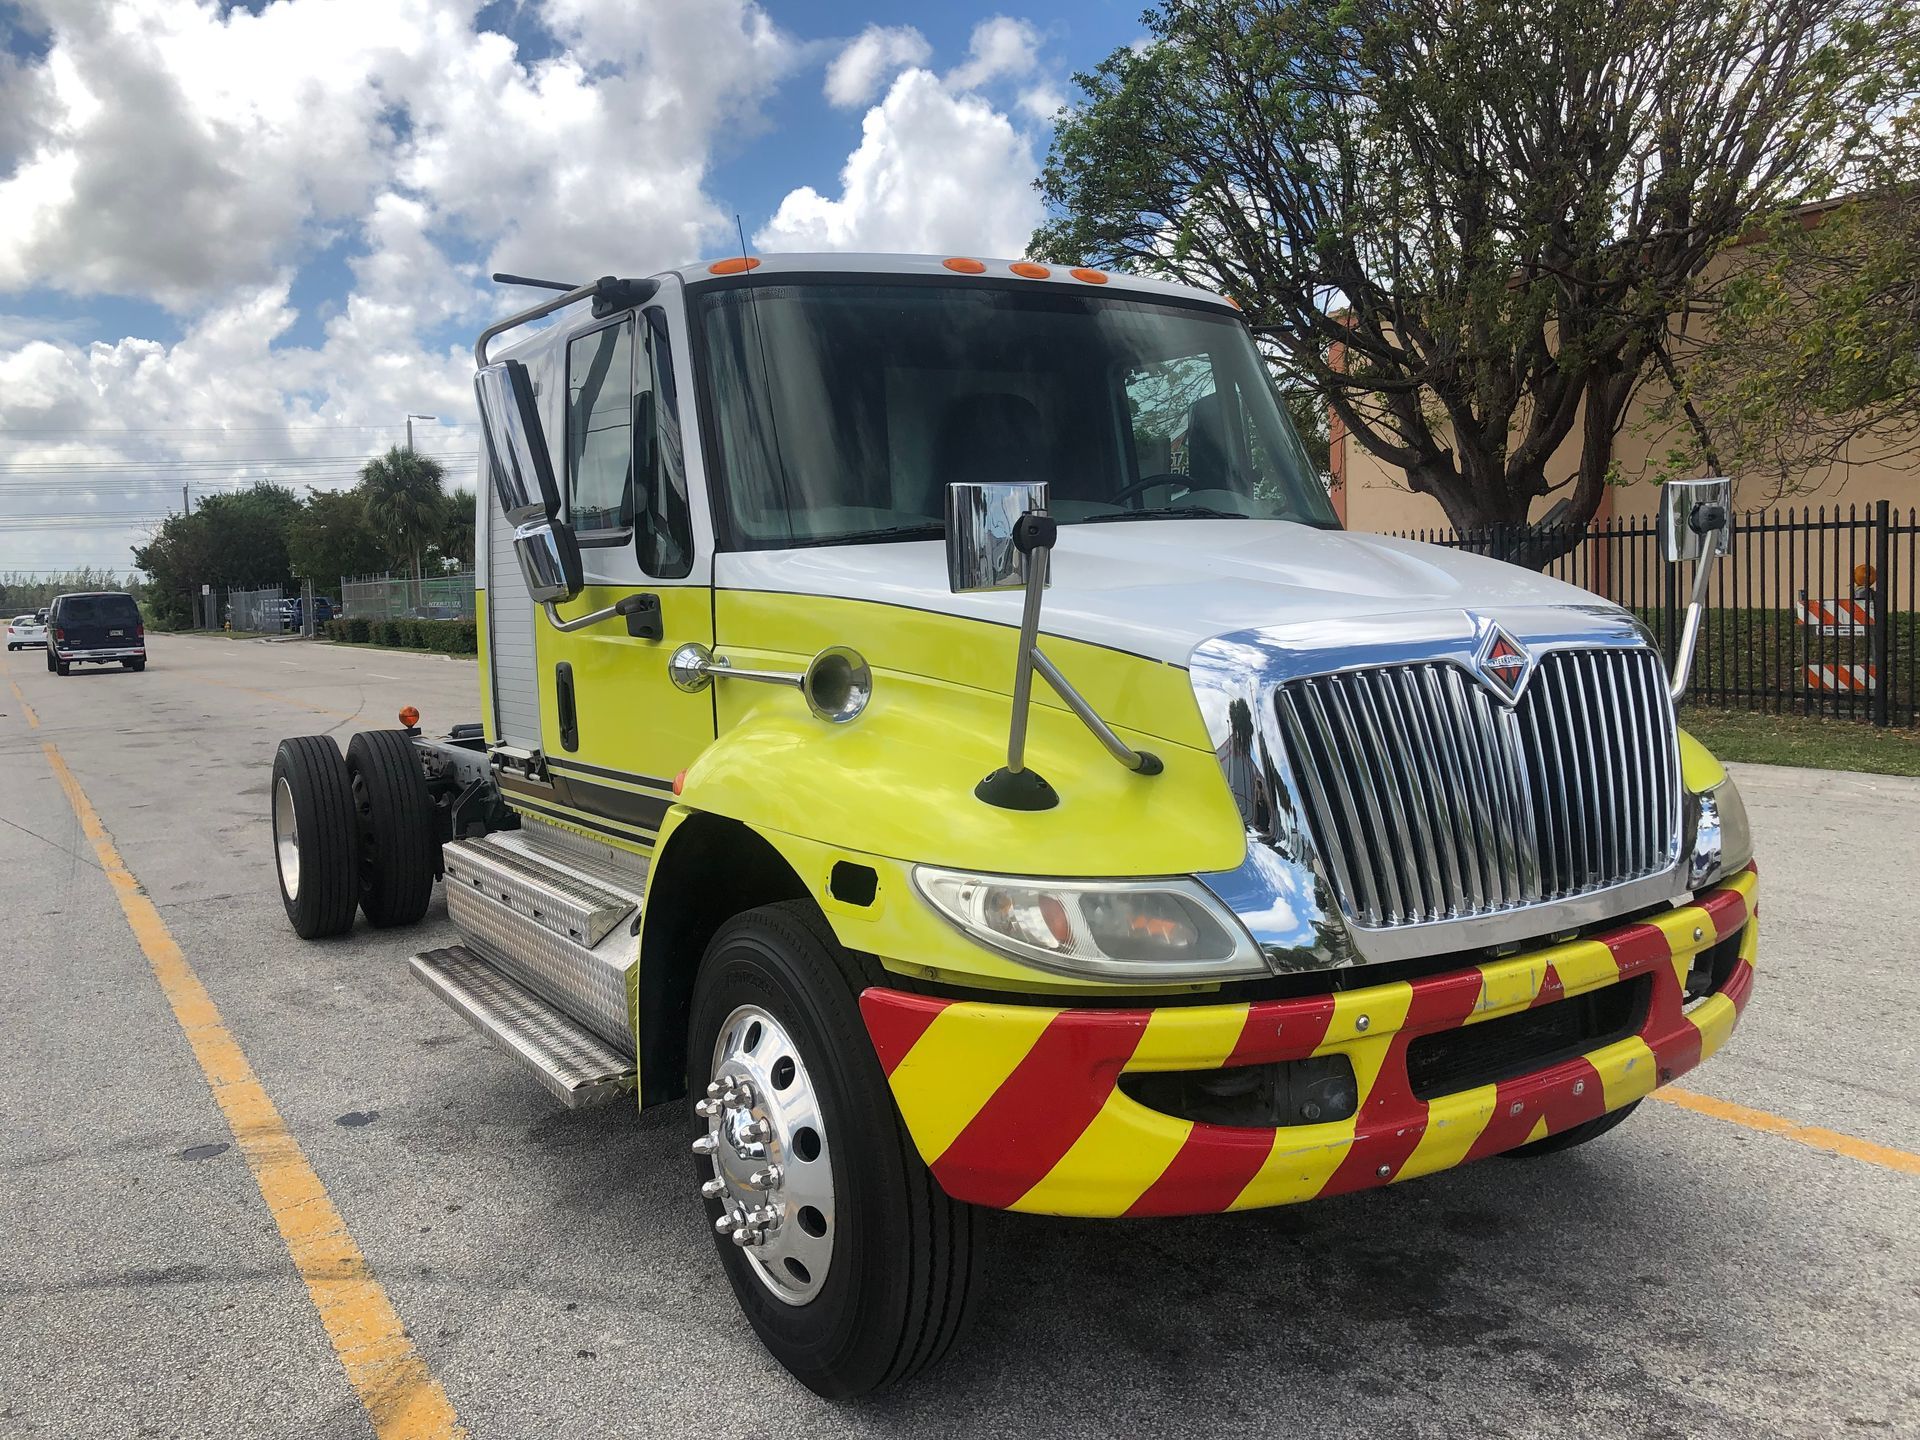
[378, 676]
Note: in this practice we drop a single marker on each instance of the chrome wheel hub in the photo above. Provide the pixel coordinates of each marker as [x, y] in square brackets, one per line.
[772, 1172]
[286, 839]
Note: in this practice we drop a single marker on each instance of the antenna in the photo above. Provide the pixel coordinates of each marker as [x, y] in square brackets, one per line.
[502, 278]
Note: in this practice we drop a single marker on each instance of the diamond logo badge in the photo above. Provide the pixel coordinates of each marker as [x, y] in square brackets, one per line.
[1503, 663]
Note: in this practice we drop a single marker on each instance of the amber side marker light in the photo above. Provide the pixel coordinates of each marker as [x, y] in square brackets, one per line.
[409, 716]
[964, 266]
[679, 782]
[1092, 277]
[1029, 270]
[736, 265]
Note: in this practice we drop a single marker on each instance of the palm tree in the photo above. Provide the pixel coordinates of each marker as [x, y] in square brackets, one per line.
[405, 503]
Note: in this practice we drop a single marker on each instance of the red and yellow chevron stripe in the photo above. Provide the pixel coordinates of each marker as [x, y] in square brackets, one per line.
[1018, 1106]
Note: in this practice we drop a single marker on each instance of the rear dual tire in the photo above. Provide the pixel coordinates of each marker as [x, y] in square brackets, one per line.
[352, 832]
[398, 844]
[316, 843]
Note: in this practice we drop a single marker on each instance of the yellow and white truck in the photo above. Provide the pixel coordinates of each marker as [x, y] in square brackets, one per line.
[934, 727]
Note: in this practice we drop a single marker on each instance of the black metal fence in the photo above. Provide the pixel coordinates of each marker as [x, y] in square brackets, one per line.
[1809, 612]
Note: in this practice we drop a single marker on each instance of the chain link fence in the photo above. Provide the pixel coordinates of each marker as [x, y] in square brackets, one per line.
[390, 597]
[260, 611]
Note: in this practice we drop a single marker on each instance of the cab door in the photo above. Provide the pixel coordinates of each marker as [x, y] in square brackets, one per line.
[615, 729]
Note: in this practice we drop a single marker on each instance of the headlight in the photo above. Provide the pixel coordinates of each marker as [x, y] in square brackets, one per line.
[1126, 930]
[1722, 841]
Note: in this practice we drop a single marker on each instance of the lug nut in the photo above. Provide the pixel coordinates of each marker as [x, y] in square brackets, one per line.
[727, 1224]
[713, 1189]
[706, 1109]
[765, 1179]
[743, 1091]
[713, 1090]
[763, 1129]
[706, 1144]
[762, 1216]
[744, 1238]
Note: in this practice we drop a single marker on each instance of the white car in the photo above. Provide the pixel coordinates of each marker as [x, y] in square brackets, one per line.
[24, 631]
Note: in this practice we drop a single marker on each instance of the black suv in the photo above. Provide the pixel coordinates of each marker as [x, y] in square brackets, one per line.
[96, 628]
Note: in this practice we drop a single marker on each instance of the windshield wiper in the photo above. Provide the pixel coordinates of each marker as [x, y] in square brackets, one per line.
[932, 530]
[1176, 512]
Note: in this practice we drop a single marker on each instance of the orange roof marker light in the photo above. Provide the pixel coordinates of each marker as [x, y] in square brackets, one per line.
[964, 266]
[1092, 277]
[734, 265]
[409, 716]
[1030, 270]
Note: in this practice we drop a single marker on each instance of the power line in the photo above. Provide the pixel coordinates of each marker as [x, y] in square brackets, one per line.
[198, 429]
[265, 461]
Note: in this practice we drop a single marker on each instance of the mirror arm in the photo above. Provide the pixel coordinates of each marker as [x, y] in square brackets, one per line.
[1141, 762]
[626, 605]
[1710, 545]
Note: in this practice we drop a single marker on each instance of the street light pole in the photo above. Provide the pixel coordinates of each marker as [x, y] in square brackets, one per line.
[410, 420]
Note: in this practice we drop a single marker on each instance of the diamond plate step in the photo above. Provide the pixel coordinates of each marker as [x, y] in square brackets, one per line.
[574, 1064]
[568, 904]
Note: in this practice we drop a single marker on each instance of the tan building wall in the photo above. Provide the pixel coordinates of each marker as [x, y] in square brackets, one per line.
[1373, 495]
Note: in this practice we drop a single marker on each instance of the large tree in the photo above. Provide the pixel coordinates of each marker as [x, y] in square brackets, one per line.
[405, 502]
[1807, 353]
[1469, 223]
[236, 541]
[331, 537]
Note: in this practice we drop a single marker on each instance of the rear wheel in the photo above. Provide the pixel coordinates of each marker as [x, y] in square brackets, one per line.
[134, 664]
[395, 819]
[314, 846]
[853, 1267]
[1579, 1135]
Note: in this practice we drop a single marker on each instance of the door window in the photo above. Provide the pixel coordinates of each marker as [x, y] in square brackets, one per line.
[600, 433]
[662, 521]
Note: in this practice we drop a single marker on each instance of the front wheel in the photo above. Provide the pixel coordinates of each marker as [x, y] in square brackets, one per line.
[853, 1267]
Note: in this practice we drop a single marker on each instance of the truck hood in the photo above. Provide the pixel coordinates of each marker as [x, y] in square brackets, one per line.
[1157, 588]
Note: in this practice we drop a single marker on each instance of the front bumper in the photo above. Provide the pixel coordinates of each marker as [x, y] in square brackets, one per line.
[1018, 1107]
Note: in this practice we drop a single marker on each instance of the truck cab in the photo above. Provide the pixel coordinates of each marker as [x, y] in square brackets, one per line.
[934, 728]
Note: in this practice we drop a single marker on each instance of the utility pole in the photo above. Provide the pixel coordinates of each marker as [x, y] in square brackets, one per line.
[410, 420]
[183, 501]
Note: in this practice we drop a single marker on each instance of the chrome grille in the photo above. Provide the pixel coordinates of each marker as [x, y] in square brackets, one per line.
[1431, 800]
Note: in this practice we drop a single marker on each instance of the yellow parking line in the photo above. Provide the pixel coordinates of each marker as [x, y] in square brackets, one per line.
[1832, 1141]
[401, 1396]
[33, 720]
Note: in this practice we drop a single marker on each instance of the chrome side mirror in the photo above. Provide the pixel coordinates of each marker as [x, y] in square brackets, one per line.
[1696, 517]
[981, 554]
[524, 484]
[549, 559]
[1690, 511]
[1000, 537]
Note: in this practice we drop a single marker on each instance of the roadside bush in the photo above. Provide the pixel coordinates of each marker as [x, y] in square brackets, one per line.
[446, 637]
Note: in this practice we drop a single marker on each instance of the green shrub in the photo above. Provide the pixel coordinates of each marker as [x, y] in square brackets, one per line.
[336, 630]
[359, 630]
[385, 632]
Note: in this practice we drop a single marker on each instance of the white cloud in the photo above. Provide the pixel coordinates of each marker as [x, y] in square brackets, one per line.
[870, 59]
[935, 171]
[939, 167]
[1000, 47]
[197, 155]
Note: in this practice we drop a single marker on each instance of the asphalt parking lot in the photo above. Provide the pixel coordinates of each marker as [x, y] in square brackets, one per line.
[1694, 1273]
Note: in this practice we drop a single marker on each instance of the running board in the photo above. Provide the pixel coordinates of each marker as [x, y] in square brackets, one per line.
[570, 905]
[573, 1063]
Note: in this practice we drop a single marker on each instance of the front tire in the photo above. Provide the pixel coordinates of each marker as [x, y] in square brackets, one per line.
[899, 1259]
[314, 846]
[394, 813]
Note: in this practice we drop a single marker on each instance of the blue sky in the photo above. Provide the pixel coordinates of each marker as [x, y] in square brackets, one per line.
[242, 242]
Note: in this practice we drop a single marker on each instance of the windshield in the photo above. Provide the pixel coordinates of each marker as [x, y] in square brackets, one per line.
[845, 410]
